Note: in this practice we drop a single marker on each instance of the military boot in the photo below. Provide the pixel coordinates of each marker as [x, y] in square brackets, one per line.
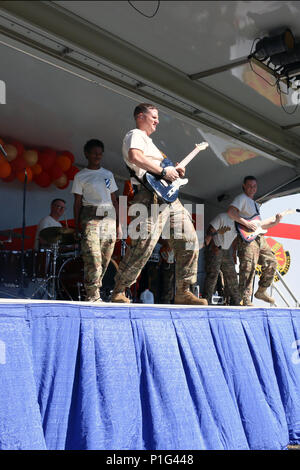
[94, 299]
[262, 294]
[185, 297]
[119, 297]
[92, 295]
[246, 302]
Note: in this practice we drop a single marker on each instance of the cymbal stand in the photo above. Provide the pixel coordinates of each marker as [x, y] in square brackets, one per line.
[49, 285]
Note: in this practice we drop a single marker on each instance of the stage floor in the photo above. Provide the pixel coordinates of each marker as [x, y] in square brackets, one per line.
[76, 375]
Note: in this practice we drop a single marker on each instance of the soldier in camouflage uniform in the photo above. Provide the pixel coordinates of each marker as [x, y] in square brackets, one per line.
[243, 208]
[251, 254]
[220, 254]
[141, 155]
[97, 246]
[96, 208]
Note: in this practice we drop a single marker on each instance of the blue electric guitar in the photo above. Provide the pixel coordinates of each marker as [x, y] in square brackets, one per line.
[165, 190]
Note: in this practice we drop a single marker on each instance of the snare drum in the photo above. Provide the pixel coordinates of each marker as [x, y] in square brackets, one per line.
[41, 264]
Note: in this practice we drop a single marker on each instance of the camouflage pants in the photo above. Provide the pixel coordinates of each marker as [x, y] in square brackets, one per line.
[250, 254]
[183, 240]
[97, 246]
[216, 261]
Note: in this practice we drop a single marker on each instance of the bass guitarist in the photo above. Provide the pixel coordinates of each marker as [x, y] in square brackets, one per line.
[141, 155]
[244, 207]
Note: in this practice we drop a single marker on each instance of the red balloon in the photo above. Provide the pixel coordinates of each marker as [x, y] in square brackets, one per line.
[18, 164]
[55, 172]
[72, 172]
[47, 158]
[43, 179]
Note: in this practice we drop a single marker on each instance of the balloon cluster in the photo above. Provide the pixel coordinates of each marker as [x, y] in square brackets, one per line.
[44, 167]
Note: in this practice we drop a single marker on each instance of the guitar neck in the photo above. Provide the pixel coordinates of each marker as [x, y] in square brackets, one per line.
[189, 157]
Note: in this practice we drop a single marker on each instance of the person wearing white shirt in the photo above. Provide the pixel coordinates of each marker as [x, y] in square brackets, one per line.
[57, 209]
[241, 210]
[142, 155]
[220, 256]
[96, 209]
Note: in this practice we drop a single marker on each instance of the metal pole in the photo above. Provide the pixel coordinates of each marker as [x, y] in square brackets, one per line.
[281, 295]
[288, 289]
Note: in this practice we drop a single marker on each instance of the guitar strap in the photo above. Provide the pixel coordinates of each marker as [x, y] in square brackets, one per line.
[133, 175]
[257, 208]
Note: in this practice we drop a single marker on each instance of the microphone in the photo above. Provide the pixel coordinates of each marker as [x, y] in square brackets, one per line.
[3, 151]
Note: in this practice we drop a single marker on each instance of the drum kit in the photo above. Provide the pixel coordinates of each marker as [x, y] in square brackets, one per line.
[53, 273]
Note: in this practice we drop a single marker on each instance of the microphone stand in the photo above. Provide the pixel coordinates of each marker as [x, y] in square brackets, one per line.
[3, 151]
[21, 291]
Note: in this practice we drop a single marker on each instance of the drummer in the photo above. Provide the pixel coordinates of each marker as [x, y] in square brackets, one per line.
[57, 210]
[96, 209]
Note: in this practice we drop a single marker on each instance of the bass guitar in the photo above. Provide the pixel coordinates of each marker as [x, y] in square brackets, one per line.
[165, 190]
[248, 235]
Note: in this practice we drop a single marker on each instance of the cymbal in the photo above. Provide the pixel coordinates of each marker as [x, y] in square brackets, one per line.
[58, 234]
[11, 234]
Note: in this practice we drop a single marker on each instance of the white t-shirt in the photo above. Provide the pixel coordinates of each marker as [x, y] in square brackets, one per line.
[46, 222]
[246, 206]
[95, 187]
[138, 139]
[224, 240]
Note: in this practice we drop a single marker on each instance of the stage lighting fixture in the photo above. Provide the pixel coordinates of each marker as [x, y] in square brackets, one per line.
[269, 46]
[286, 58]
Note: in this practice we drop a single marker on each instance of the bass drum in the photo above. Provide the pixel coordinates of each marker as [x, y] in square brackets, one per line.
[71, 280]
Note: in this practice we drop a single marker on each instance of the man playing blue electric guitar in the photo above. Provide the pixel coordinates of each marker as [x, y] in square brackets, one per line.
[252, 250]
[141, 155]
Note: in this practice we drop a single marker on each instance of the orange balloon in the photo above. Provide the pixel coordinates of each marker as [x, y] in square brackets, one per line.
[64, 162]
[5, 169]
[30, 157]
[68, 154]
[10, 178]
[11, 151]
[36, 169]
[61, 181]
[21, 175]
